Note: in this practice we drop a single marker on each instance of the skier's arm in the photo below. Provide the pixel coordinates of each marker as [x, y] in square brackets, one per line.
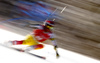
[55, 46]
[52, 38]
[53, 41]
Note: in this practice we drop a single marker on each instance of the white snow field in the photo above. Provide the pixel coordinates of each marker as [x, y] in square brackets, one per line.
[11, 56]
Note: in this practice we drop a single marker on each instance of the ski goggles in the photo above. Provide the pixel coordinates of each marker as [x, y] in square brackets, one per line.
[50, 27]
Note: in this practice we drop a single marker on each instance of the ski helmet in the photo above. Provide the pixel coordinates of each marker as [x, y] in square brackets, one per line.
[49, 24]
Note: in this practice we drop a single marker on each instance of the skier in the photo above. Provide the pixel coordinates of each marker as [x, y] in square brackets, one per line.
[37, 37]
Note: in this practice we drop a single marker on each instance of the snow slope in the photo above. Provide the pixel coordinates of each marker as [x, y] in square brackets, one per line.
[11, 56]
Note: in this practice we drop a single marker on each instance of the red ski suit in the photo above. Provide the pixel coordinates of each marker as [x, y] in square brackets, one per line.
[40, 35]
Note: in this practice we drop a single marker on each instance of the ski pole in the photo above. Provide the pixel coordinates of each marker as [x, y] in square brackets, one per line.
[57, 54]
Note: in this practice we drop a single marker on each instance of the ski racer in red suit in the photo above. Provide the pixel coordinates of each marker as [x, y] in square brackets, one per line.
[37, 37]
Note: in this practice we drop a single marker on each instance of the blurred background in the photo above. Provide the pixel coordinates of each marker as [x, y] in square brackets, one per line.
[77, 22]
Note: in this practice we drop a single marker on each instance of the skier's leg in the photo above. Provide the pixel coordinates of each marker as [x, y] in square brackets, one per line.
[30, 40]
[16, 42]
[34, 47]
[39, 46]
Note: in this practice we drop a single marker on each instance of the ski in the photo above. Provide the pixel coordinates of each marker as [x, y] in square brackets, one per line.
[38, 56]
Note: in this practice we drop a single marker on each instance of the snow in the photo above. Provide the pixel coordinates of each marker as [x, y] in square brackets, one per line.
[11, 56]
